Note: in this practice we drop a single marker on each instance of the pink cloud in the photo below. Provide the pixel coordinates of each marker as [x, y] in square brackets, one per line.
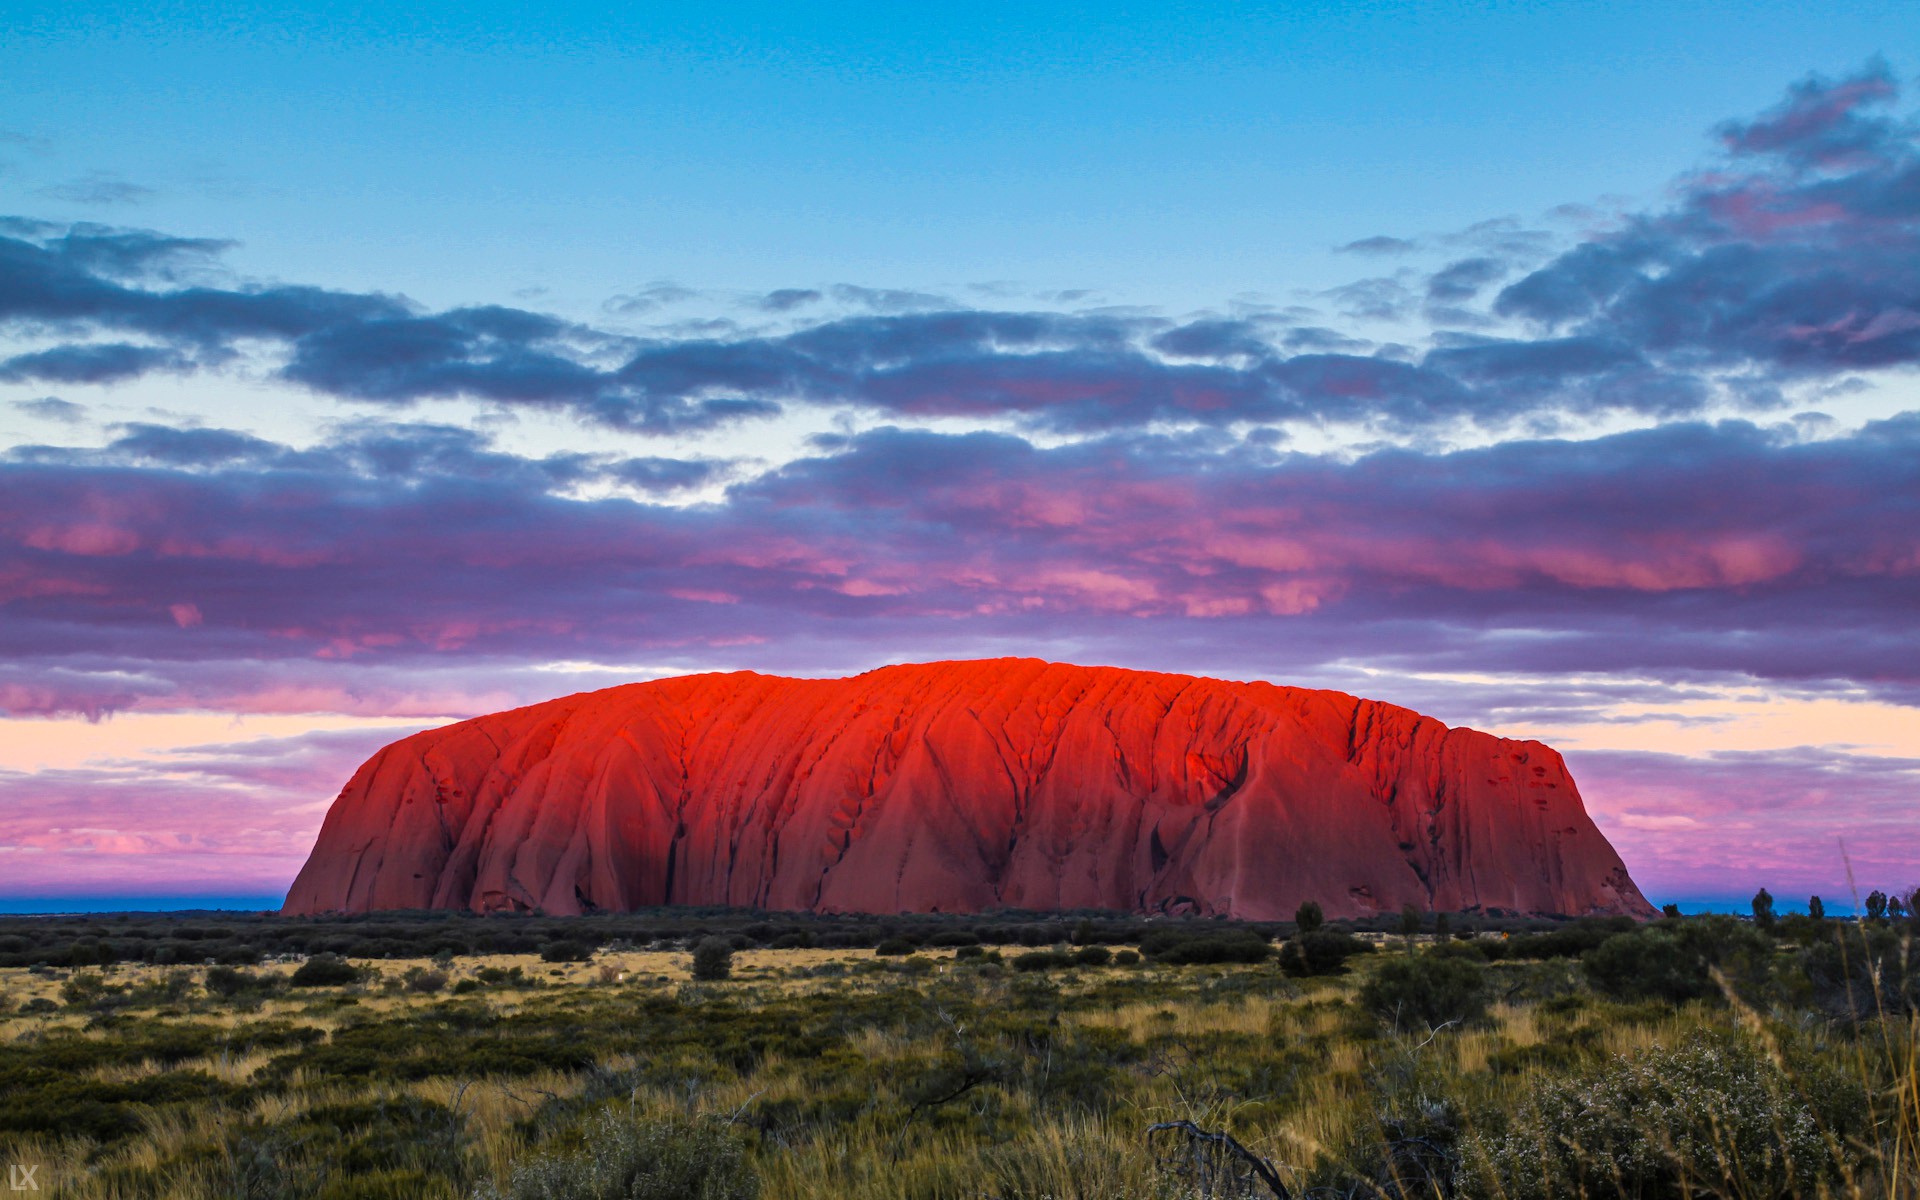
[1727, 824]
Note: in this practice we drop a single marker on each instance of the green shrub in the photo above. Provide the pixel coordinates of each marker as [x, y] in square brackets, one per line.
[1428, 990]
[1093, 956]
[83, 988]
[713, 959]
[566, 950]
[325, 970]
[1322, 952]
[1570, 941]
[1178, 947]
[895, 947]
[1675, 960]
[1126, 958]
[1041, 960]
[1716, 1117]
[231, 983]
[426, 982]
[1861, 971]
[626, 1159]
[1652, 964]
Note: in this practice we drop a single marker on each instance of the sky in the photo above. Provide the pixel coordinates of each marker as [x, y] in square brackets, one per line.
[1546, 368]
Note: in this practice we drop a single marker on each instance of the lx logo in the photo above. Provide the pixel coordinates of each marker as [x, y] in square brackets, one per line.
[22, 1178]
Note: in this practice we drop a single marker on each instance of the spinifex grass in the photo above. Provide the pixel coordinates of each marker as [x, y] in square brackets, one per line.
[836, 1073]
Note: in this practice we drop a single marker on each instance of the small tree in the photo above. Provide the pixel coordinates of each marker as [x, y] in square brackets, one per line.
[1816, 909]
[1442, 928]
[712, 959]
[1876, 906]
[1670, 911]
[1410, 924]
[1428, 990]
[1763, 910]
[1309, 917]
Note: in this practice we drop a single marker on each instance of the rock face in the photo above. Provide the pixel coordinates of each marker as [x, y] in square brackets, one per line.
[962, 786]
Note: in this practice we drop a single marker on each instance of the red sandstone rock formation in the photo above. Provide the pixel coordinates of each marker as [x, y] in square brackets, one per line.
[961, 786]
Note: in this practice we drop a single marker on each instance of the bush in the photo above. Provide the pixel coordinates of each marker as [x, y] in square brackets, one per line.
[1860, 971]
[510, 976]
[1093, 956]
[1323, 952]
[1179, 947]
[1570, 941]
[424, 981]
[713, 959]
[1126, 958]
[1673, 960]
[1041, 960]
[566, 950]
[1715, 1117]
[1649, 965]
[231, 983]
[625, 1159]
[325, 970]
[83, 988]
[894, 947]
[1427, 990]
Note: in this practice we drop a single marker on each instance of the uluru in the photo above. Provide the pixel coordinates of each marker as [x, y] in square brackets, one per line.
[962, 787]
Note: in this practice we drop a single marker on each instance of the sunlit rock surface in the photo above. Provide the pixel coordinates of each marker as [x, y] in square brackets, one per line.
[958, 787]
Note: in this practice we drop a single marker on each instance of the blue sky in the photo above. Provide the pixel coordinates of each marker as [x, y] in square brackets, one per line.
[1165, 155]
[1547, 368]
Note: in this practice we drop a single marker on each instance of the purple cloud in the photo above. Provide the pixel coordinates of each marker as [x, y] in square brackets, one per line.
[1800, 818]
[1799, 256]
[218, 818]
[1721, 550]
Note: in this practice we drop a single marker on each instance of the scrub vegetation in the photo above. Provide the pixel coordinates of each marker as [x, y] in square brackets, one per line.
[729, 1056]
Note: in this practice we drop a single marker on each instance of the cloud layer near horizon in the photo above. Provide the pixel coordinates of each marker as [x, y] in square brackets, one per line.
[1087, 484]
[1686, 548]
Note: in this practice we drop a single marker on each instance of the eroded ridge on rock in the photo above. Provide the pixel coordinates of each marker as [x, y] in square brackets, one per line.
[959, 787]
